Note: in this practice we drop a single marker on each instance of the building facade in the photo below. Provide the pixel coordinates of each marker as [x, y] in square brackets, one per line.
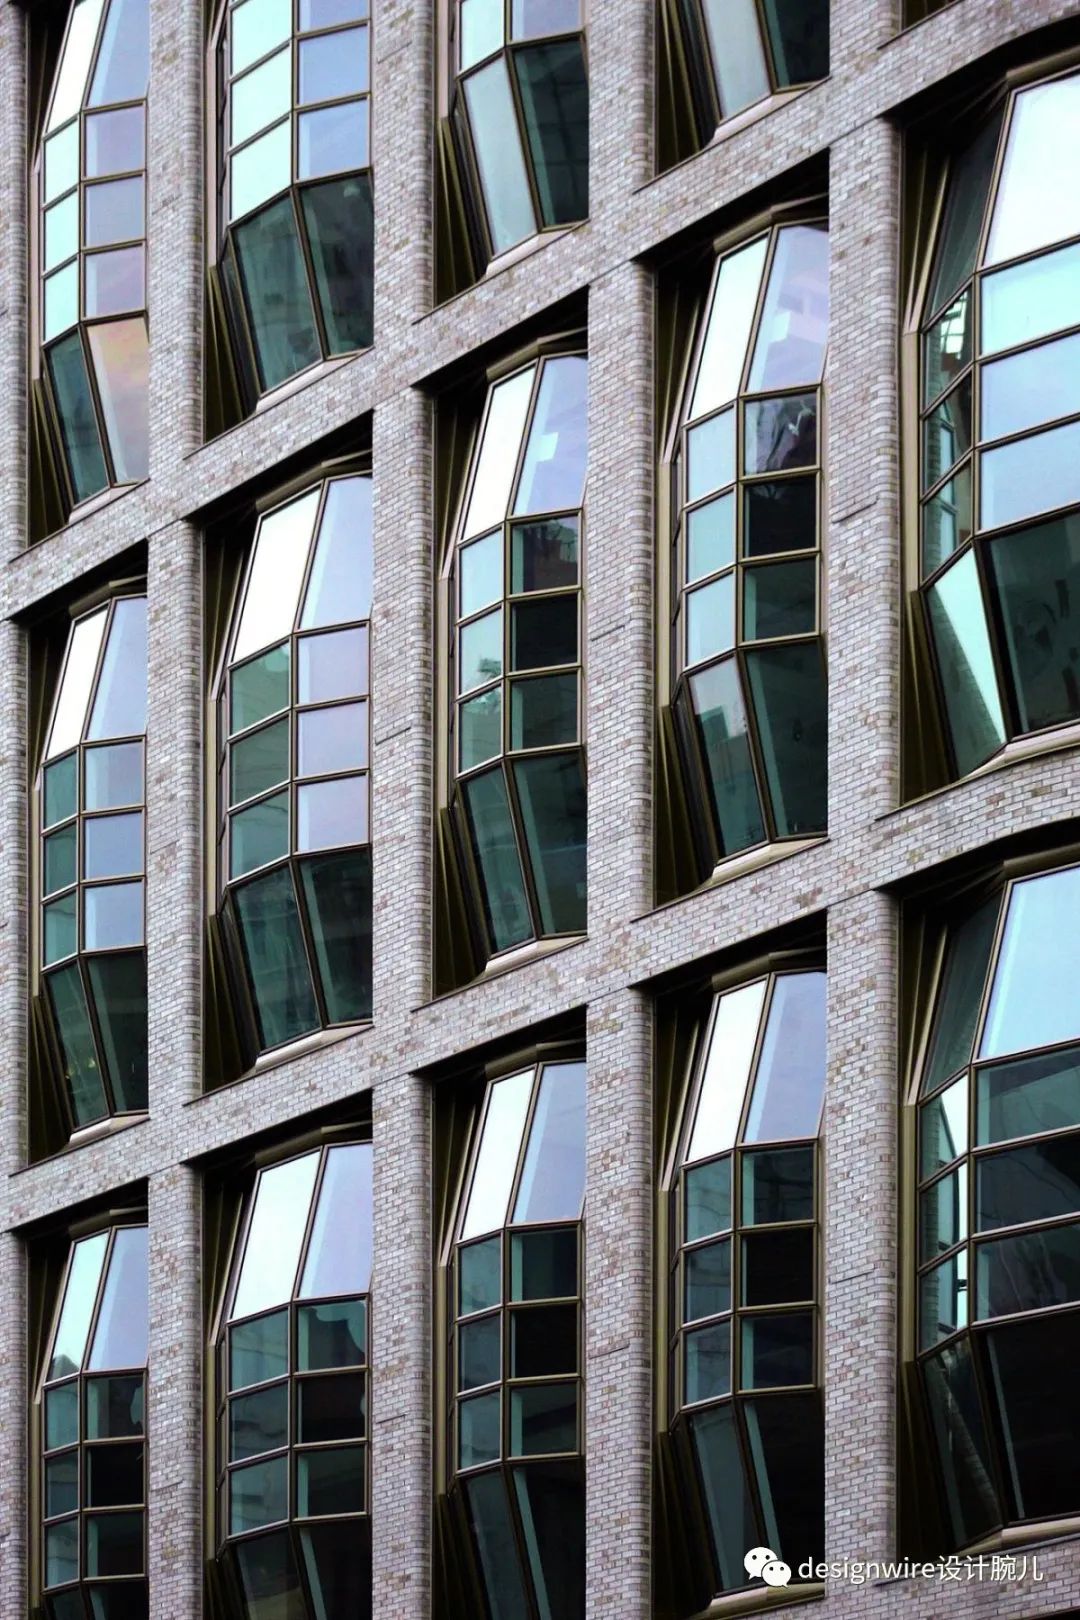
[540, 775]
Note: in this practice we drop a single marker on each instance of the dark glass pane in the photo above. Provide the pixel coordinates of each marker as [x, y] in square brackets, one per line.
[947, 434]
[114, 1544]
[333, 665]
[1028, 1272]
[707, 1367]
[77, 1051]
[60, 929]
[543, 556]
[553, 810]
[61, 1416]
[497, 858]
[258, 1422]
[780, 600]
[1032, 1183]
[780, 517]
[479, 1352]
[330, 1482]
[1036, 1397]
[493, 1530]
[543, 1419]
[124, 1600]
[708, 1199]
[787, 1444]
[551, 1501]
[259, 762]
[777, 1185]
[259, 1350]
[965, 200]
[555, 101]
[78, 422]
[479, 1276]
[732, 1521]
[943, 1128]
[277, 962]
[777, 1350]
[115, 1408]
[543, 1341]
[331, 1408]
[1035, 586]
[258, 1495]
[544, 632]
[62, 1484]
[788, 688]
[778, 1267]
[268, 1578]
[717, 698]
[62, 1552]
[337, 891]
[259, 688]
[1035, 1094]
[707, 1274]
[943, 1214]
[114, 1476]
[544, 1264]
[947, 521]
[781, 434]
[799, 36]
[60, 851]
[340, 228]
[258, 835]
[118, 986]
[60, 783]
[943, 1300]
[337, 1558]
[967, 957]
[952, 1398]
[543, 712]
[947, 348]
[276, 292]
[478, 1430]
[332, 1335]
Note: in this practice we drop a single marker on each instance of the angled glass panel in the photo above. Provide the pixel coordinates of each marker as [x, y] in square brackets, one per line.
[259, 761]
[500, 444]
[552, 1184]
[78, 677]
[120, 1338]
[273, 947]
[788, 688]
[790, 1079]
[965, 204]
[790, 347]
[966, 664]
[339, 221]
[963, 977]
[61, 162]
[121, 355]
[555, 104]
[947, 432]
[80, 1294]
[729, 1507]
[1032, 1003]
[1034, 577]
[123, 64]
[482, 30]
[278, 1221]
[78, 422]
[118, 987]
[723, 352]
[493, 1531]
[710, 620]
[952, 1394]
[480, 568]
[339, 1254]
[120, 705]
[551, 791]
[499, 156]
[61, 231]
[496, 852]
[947, 347]
[496, 1161]
[710, 456]
[551, 1502]
[727, 1069]
[258, 171]
[1037, 201]
[277, 570]
[553, 474]
[259, 688]
[1029, 1096]
[268, 1576]
[717, 698]
[943, 1128]
[1032, 475]
[339, 589]
[75, 61]
[710, 537]
[947, 521]
[738, 54]
[276, 292]
[337, 891]
[78, 1054]
[1031, 300]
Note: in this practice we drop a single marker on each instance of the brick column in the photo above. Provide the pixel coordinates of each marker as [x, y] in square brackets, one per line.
[175, 1396]
[402, 1348]
[619, 552]
[860, 1236]
[402, 124]
[862, 461]
[15, 208]
[857, 30]
[620, 50]
[618, 1309]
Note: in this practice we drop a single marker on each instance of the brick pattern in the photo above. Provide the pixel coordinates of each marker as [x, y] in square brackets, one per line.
[873, 843]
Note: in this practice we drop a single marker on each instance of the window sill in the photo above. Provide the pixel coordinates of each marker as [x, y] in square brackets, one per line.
[1038, 744]
[87, 1136]
[318, 1041]
[762, 1599]
[733, 867]
[86, 509]
[535, 950]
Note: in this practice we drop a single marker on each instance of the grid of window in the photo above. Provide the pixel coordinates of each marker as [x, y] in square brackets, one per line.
[293, 765]
[92, 1411]
[1000, 429]
[296, 224]
[518, 774]
[293, 1392]
[91, 251]
[999, 1208]
[744, 1280]
[91, 968]
[520, 113]
[515, 1352]
[747, 633]
[742, 51]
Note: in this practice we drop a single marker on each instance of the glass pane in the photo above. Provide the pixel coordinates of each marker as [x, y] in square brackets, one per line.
[261, 97]
[943, 1128]
[551, 791]
[777, 1267]
[479, 1275]
[496, 1163]
[1032, 1003]
[481, 573]
[790, 1080]
[499, 156]
[500, 444]
[553, 473]
[480, 735]
[479, 1352]
[946, 521]
[1034, 1183]
[481, 23]
[120, 706]
[493, 1529]
[727, 1068]
[497, 858]
[272, 1250]
[543, 556]
[543, 1419]
[716, 695]
[781, 434]
[780, 600]
[259, 688]
[78, 677]
[1031, 300]
[341, 235]
[543, 713]
[552, 1186]
[478, 1431]
[339, 589]
[61, 1416]
[118, 987]
[114, 212]
[480, 656]
[790, 347]
[1031, 475]
[966, 664]
[731, 1514]
[60, 787]
[114, 776]
[115, 284]
[707, 1199]
[531, 18]
[787, 1446]
[1037, 202]
[707, 1281]
[947, 433]
[62, 1484]
[710, 537]
[555, 103]
[543, 632]
[257, 26]
[778, 1185]
[78, 1053]
[325, 13]
[710, 455]
[947, 348]
[114, 141]
[1034, 576]
[339, 1254]
[120, 1338]
[121, 355]
[1032, 1368]
[723, 351]
[1029, 388]
[61, 935]
[75, 61]
[259, 835]
[333, 665]
[259, 762]
[710, 620]
[80, 1294]
[790, 700]
[268, 1578]
[62, 1552]
[332, 813]
[61, 162]
[270, 601]
[707, 1372]
[258, 1422]
[259, 1350]
[780, 517]
[1029, 1272]
[330, 1482]
[60, 850]
[332, 1335]
[114, 1476]
[333, 139]
[799, 35]
[963, 976]
[123, 66]
[1032, 1095]
[113, 917]
[738, 54]
[78, 420]
[114, 845]
[61, 232]
[777, 1350]
[115, 1408]
[333, 65]
[543, 1265]
[943, 1214]
[331, 1408]
[969, 184]
[276, 293]
[258, 1495]
[551, 1501]
[943, 1300]
[337, 891]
